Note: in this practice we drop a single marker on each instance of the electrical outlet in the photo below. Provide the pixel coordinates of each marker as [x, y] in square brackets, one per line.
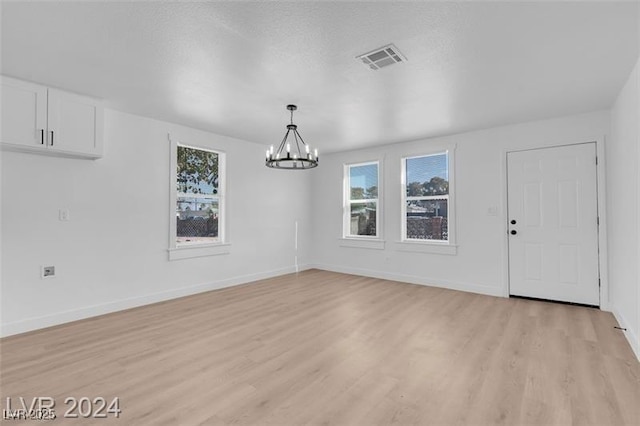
[48, 272]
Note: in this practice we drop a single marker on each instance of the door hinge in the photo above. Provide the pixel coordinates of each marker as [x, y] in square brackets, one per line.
[598, 220]
[599, 283]
[596, 161]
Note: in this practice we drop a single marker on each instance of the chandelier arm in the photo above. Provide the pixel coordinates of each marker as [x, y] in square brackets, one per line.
[304, 157]
[305, 144]
[296, 135]
[283, 143]
[302, 140]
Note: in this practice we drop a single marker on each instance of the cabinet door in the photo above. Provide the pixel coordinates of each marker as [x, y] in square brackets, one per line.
[75, 124]
[24, 113]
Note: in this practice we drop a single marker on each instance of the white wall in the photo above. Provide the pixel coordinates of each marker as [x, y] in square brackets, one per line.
[112, 254]
[479, 264]
[623, 183]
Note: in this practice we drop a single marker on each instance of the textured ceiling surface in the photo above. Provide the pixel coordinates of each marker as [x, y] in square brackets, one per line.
[231, 67]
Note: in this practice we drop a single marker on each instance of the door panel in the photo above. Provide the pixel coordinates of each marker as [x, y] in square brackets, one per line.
[552, 198]
[532, 211]
[568, 203]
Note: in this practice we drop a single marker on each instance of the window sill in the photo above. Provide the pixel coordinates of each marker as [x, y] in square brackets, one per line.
[198, 250]
[365, 243]
[427, 247]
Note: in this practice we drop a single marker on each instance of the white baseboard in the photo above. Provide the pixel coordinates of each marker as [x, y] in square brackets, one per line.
[30, 324]
[412, 279]
[630, 333]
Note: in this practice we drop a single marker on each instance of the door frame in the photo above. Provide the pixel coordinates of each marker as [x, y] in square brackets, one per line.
[602, 213]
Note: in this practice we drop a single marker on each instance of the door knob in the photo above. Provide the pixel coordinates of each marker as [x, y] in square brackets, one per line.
[514, 232]
[513, 221]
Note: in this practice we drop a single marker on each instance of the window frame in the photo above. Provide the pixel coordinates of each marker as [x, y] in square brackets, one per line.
[347, 202]
[427, 244]
[187, 250]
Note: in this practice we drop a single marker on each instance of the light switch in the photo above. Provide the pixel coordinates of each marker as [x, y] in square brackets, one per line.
[63, 215]
[492, 211]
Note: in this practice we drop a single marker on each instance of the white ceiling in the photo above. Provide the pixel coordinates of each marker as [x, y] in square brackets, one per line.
[231, 67]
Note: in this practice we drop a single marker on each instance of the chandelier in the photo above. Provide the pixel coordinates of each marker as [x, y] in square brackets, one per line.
[293, 153]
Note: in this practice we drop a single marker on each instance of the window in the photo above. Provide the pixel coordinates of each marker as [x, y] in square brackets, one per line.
[198, 196]
[425, 204]
[361, 218]
[197, 207]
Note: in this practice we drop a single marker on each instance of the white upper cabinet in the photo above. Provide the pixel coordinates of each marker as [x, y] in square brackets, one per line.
[75, 123]
[49, 121]
[24, 113]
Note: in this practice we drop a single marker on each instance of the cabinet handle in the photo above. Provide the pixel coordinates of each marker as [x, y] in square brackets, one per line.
[51, 137]
[41, 136]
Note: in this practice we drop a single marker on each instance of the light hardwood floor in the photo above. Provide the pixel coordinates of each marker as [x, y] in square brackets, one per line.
[328, 348]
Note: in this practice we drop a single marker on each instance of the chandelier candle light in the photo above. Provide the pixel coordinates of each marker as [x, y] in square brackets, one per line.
[292, 156]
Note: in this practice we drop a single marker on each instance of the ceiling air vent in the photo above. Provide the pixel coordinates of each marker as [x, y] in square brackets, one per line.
[382, 57]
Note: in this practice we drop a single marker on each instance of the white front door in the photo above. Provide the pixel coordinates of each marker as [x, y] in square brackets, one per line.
[553, 229]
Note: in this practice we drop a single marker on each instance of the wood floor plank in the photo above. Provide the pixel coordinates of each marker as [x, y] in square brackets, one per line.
[323, 348]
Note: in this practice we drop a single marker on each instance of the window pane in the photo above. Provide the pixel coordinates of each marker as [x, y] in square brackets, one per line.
[197, 171]
[428, 219]
[427, 175]
[197, 219]
[364, 181]
[363, 219]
